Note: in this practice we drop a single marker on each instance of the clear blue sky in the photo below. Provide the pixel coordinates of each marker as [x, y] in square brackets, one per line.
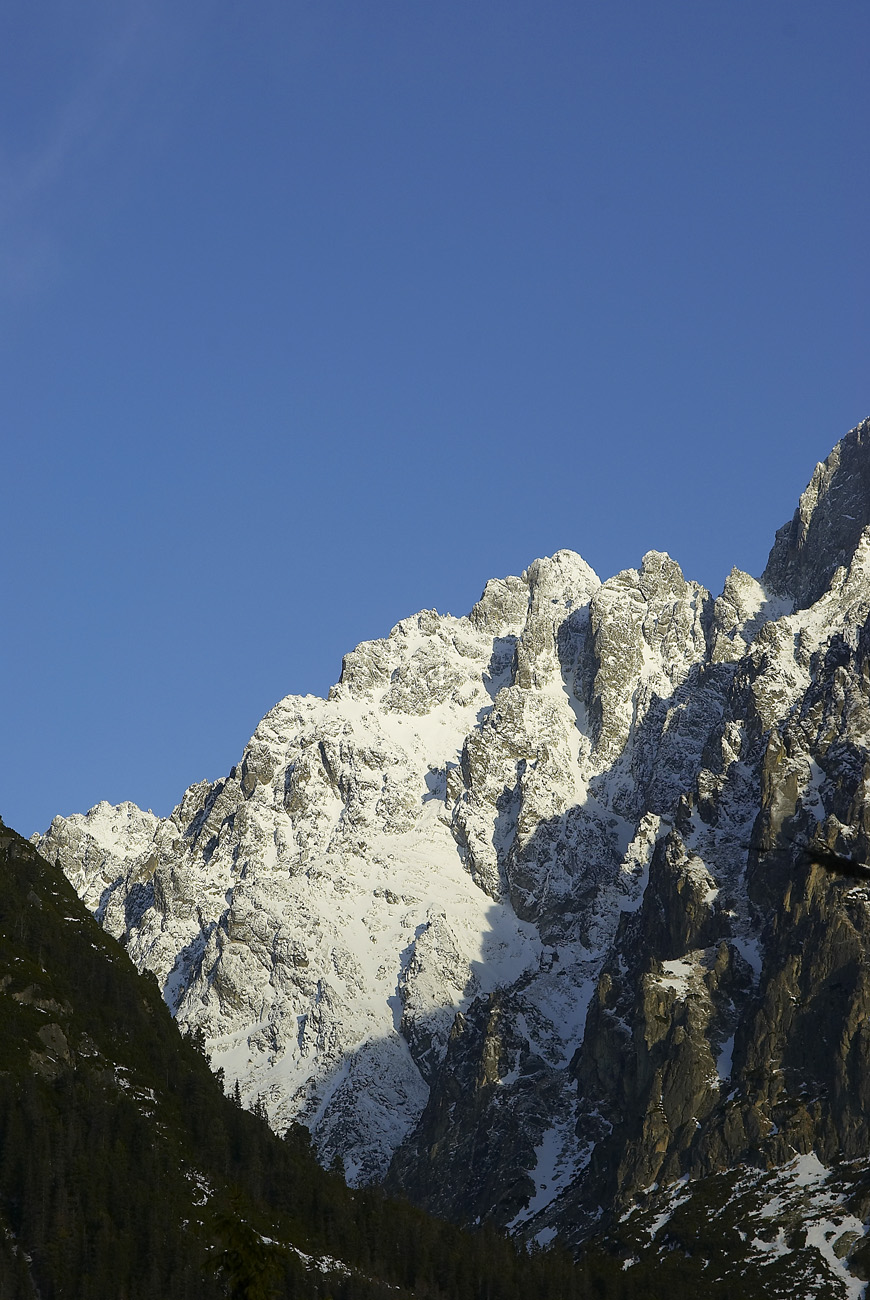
[316, 314]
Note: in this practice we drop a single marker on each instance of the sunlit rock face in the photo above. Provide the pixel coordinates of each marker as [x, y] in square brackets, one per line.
[519, 918]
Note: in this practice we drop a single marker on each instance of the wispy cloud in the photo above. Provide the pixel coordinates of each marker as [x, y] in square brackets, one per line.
[75, 145]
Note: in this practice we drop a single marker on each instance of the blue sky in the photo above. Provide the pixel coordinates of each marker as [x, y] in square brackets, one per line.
[316, 314]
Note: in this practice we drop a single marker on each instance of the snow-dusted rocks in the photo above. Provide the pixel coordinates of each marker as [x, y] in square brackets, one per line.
[311, 913]
[505, 920]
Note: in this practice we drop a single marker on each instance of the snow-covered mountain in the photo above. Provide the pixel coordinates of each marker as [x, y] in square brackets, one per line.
[511, 919]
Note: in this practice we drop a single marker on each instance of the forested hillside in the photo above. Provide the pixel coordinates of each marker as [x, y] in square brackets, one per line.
[126, 1174]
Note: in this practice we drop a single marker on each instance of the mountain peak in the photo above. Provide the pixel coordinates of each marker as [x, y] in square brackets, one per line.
[496, 919]
[827, 525]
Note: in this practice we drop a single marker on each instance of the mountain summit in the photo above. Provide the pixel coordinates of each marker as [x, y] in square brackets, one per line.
[521, 919]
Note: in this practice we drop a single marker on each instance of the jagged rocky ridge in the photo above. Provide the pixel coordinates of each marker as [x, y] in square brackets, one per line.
[518, 918]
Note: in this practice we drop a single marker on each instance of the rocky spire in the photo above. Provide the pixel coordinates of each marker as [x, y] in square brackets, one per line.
[824, 531]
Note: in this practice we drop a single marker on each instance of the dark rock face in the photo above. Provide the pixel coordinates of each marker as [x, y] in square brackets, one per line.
[472, 1137]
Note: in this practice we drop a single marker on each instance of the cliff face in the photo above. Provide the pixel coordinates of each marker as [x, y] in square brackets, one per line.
[522, 917]
[827, 526]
